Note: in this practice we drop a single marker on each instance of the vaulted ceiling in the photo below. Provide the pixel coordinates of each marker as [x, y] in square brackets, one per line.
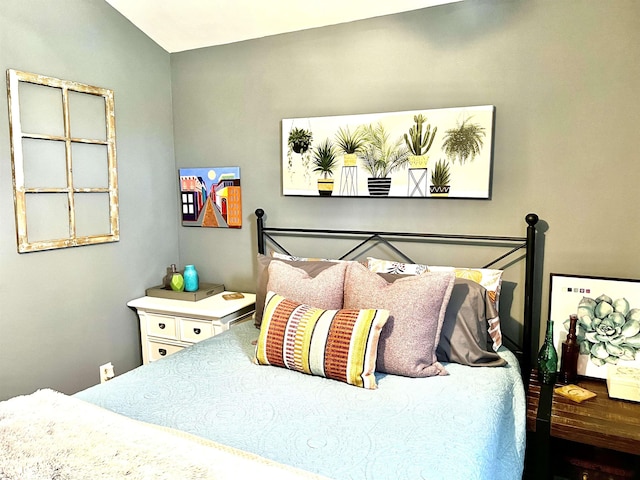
[178, 25]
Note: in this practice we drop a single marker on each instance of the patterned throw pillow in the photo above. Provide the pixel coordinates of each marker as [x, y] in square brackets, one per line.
[417, 306]
[337, 344]
[283, 256]
[387, 266]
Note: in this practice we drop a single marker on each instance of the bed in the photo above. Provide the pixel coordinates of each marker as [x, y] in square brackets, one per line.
[261, 407]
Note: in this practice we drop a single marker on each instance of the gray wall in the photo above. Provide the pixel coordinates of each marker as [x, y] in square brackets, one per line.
[562, 75]
[63, 313]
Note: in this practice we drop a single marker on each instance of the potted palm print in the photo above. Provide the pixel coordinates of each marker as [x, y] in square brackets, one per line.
[350, 144]
[381, 156]
[440, 179]
[464, 142]
[325, 161]
[419, 142]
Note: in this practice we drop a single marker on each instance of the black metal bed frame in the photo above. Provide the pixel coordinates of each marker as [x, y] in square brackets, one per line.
[526, 243]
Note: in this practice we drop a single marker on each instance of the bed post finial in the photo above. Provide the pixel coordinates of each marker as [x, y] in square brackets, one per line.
[531, 219]
[260, 225]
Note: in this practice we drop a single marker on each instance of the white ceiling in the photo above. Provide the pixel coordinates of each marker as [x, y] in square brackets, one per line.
[178, 25]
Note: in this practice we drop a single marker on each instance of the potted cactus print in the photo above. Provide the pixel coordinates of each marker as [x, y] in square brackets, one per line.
[418, 142]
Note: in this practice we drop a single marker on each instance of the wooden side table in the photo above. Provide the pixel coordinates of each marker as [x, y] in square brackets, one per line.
[600, 422]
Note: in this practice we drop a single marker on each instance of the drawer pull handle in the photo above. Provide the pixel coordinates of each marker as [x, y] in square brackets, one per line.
[162, 352]
[161, 326]
[197, 331]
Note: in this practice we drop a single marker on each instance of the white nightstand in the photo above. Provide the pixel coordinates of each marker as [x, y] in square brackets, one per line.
[167, 326]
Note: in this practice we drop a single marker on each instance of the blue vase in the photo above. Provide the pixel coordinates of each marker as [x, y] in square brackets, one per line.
[190, 278]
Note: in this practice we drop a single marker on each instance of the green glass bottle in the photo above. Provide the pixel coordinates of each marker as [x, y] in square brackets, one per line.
[548, 358]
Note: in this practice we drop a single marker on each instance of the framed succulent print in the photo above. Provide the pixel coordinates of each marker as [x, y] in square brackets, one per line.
[608, 326]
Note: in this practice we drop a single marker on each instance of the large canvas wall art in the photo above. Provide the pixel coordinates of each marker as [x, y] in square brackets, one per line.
[443, 152]
[211, 197]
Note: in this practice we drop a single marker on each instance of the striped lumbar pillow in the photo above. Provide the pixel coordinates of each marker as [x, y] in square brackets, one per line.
[337, 344]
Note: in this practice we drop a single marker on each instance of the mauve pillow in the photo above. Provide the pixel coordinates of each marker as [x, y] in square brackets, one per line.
[490, 279]
[312, 268]
[464, 338]
[322, 291]
[417, 306]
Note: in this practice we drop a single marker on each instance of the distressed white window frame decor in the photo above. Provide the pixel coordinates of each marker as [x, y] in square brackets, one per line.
[45, 185]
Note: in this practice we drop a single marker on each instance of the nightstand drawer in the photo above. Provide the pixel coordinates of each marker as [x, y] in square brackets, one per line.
[157, 350]
[162, 326]
[195, 331]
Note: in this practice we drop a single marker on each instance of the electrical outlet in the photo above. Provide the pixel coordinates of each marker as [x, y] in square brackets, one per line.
[106, 372]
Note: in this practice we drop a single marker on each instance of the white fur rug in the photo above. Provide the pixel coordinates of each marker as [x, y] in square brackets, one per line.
[48, 435]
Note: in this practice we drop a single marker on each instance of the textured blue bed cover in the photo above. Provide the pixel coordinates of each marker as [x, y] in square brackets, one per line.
[467, 425]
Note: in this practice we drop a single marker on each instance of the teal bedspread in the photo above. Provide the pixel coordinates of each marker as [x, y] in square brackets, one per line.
[467, 425]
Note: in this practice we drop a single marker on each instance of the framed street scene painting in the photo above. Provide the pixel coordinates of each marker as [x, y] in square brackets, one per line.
[211, 197]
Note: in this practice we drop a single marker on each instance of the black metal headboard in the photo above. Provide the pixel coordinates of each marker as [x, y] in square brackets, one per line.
[526, 244]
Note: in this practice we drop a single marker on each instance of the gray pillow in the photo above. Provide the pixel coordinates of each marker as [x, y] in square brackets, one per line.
[464, 338]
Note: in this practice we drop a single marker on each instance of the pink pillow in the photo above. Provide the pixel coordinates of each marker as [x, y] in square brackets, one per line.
[321, 291]
[417, 306]
[312, 268]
